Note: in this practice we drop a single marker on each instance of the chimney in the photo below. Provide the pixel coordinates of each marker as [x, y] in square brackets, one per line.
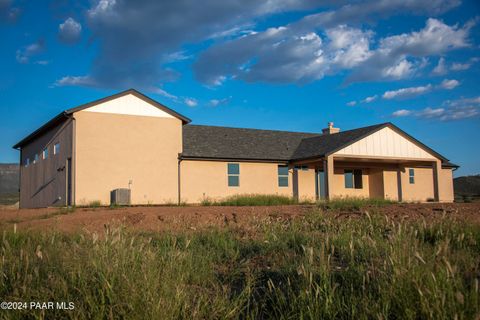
[330, 129]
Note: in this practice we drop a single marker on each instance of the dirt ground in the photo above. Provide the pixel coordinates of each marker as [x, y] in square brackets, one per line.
[196, 217]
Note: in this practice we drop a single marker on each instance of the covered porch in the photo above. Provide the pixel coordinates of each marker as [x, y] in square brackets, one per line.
[397, 179]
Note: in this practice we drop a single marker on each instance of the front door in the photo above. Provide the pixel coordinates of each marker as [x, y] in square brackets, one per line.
[320, 184]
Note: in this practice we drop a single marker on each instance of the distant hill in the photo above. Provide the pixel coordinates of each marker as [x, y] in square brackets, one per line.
[467, 185]
[9, 178]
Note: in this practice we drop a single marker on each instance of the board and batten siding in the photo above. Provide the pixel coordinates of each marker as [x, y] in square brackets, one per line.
[129, 105]
[44, 184]
[386, 143]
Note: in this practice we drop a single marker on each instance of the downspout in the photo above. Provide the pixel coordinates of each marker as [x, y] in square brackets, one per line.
[179, 178]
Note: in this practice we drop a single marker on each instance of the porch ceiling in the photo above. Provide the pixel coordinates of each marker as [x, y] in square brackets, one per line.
[361, 161]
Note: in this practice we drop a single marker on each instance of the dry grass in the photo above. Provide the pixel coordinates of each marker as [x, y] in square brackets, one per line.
[314, 267]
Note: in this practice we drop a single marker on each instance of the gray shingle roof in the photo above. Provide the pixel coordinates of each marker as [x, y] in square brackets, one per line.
[253, 144]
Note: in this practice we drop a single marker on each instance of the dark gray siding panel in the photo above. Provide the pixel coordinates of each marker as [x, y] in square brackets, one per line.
[43, 184]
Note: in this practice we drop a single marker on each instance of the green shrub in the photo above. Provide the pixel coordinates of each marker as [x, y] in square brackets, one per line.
[253, 200]
[94, 204]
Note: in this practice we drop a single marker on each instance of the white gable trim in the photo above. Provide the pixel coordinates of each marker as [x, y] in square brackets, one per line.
[386, 142]
[130, 105]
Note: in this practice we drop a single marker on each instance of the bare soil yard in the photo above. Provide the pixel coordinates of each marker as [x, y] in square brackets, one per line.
[197, 217]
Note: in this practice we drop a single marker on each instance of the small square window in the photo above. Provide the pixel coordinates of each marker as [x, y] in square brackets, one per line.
[233, 181]
[35, 158]
[411, 176]
[27, 162]
[283, 170]
[233, 168]
[56, 148]
[233, 172]
[283, 181]
[45, 153]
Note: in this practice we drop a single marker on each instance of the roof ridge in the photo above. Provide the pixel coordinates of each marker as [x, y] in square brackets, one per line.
[253, 129]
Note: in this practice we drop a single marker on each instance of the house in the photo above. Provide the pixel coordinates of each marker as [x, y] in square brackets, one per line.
[128, 140]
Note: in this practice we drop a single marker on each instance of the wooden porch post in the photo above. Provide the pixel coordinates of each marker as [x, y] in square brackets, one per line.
[436, 174]
[295, 184]
[328, 170]
[399, 183]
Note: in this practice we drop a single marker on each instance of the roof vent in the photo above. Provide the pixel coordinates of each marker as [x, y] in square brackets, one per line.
[330, 129]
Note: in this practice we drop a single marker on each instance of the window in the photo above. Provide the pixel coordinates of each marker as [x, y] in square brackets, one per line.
[233, 170]
[56, 148]
[411, 176]
[283, 176]
[353, 179]
[35, 158]
[27, 162]
[45, 153]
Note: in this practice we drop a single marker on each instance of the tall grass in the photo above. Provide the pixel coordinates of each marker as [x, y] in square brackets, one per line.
[353, 203]
[253, 200]
[314, 268]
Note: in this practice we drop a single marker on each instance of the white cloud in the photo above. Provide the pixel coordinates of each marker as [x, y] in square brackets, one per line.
[69, 31]
[330, 41]
[407, 92]
[370, 99]
[25, 54]
[435, 38]
[349, 46]
[402, 69]
[351, 103]
[218, 102]
[460, 66]
[400, 56]
[459, 109]
[191, 102]
[440, 69]
[130, 34]
[402, 113]
[446, 84]
[164, 93]
[84, 81]
[449, 84]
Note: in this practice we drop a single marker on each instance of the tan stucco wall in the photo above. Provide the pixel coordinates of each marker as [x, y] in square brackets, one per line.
[446, 185]
[208, 179]
[306, 185]
[390, 184]
[422, 189]
[376, 189]
[112, 149]
[382, 182]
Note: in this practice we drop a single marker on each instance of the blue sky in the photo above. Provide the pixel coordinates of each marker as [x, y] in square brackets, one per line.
[286, 64]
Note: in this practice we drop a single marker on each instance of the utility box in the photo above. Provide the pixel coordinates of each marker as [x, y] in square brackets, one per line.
[120, 197]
